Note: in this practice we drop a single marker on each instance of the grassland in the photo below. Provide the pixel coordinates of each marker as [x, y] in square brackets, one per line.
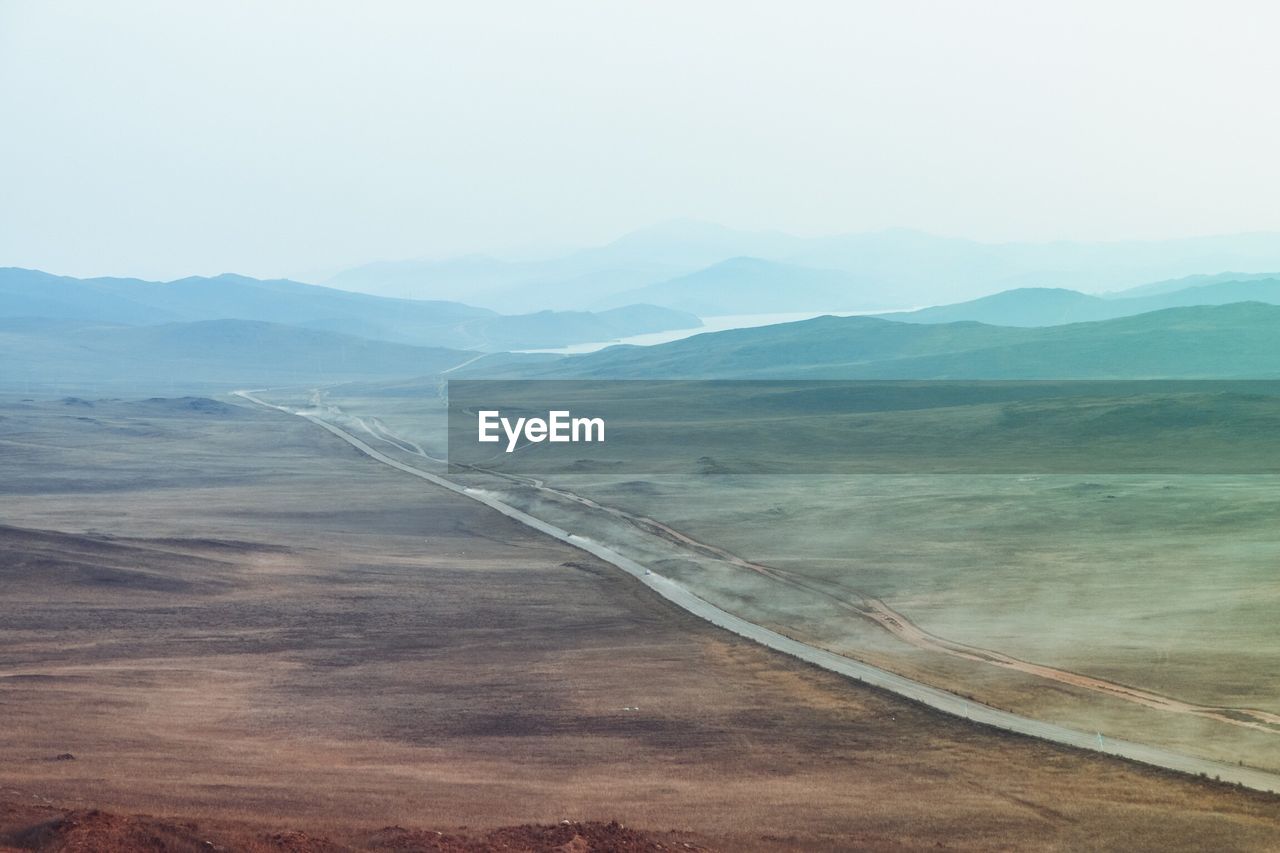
[1125, 545]
[230, 618]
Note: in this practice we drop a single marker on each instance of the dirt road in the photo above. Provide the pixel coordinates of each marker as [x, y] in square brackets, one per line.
[865, 673]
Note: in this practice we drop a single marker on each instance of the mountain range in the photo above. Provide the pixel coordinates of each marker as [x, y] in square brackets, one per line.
[574, 280]
[231, 331]
[681, 265]
[1056, 306]
[31, 293]
[756, 286]
[75, 356]
[1240, 340]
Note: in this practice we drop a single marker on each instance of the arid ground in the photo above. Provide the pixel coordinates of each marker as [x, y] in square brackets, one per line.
[1140, 605]
[228, 619]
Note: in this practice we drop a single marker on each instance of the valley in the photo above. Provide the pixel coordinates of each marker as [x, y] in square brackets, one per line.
[231, 618]
[1045, 590]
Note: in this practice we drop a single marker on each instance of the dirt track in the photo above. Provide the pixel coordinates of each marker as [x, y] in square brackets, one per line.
[865, 607]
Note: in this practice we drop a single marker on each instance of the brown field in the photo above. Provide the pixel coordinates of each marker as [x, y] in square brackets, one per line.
[1141, 606]
[236, 623]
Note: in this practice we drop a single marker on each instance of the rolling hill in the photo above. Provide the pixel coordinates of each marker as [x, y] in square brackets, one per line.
[30, 293]
[208, 355]
[573, 280]
[1231, 341]
[1025, 306]
[1056, 306]
[1156, 288]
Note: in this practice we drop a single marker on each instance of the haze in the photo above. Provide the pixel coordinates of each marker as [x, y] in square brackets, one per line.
[163, 140]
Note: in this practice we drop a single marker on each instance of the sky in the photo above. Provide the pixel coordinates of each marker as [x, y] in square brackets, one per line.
[164, 139]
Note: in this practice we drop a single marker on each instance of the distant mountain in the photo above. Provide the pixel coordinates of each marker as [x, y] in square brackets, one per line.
[550, 329]
[1185, 282]
[1026, 306]
[1232, 341]
[574, 281]
[693, 243]
[924, 269]
[891, 268]
[37, 355]
[757, 286]
[29, 293]
[1055, 306]
[34, 293]
[463, 277]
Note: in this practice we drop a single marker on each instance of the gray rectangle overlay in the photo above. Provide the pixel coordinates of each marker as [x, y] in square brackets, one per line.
[865, 427]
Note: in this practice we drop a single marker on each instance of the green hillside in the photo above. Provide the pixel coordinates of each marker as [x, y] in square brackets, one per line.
[1232, 341]
[211, 355]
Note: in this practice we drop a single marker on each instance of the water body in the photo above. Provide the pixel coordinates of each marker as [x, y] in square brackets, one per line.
[721, 323]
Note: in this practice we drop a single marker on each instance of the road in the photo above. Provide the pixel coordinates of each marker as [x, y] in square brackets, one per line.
[925, 694]
[856, 603]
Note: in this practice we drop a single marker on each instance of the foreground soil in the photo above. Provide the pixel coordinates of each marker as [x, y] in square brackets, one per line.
[48, 830]
[232, 621]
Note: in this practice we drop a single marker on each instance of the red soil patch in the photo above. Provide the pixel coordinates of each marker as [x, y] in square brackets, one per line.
[567, 837]
[93, 831]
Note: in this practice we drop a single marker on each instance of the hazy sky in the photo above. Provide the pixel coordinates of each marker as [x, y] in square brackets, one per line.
[162, 139]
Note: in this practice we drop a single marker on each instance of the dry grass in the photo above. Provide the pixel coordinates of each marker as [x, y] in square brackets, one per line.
[288, 636]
